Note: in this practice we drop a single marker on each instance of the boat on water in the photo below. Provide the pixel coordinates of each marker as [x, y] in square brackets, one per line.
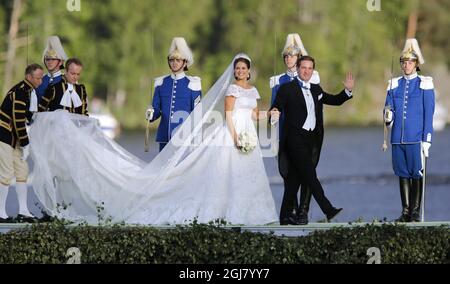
[108, 123]
[440, 117]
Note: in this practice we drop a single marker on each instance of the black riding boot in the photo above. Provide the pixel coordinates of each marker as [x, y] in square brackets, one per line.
[288, 214]
[295, 209]
[405, 185]
[416, 199]
[305, 200]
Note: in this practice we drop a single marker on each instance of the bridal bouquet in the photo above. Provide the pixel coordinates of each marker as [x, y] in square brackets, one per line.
[247, 142]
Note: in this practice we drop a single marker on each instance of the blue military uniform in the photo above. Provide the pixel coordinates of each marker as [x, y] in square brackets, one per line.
[409, 110]
[48, 80]
[53, 50]
[174, 98]
[411, 99]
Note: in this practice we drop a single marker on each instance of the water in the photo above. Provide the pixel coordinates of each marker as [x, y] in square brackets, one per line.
[354, 172]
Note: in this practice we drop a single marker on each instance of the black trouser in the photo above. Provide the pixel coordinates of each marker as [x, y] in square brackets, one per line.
[305, 191]
[302, 171]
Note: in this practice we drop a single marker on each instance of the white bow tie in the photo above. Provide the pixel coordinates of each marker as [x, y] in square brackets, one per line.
[70, 96]
[33, 101]
[305, 85]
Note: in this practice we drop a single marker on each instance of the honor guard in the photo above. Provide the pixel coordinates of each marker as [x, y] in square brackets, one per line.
[409, 110]
[67, 94]
[293, 50]
[16, 110]
[175, 95]
[53, 58]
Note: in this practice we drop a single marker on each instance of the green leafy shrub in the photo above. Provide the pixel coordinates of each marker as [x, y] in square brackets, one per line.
[213, 244]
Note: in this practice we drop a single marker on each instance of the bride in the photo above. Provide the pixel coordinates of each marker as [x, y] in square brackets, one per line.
[204, 173]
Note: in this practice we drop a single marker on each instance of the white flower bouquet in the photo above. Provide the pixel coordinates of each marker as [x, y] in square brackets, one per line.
[247, 141]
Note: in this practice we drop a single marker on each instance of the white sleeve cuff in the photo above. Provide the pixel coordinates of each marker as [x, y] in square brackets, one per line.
[349, 93]
[273, 121]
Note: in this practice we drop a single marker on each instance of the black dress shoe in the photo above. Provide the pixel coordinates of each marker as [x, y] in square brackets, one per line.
[46, 218]
[334, 212]
[403, 218]
[291, 220]
[415, 217]
[25, 219]
[6, 220]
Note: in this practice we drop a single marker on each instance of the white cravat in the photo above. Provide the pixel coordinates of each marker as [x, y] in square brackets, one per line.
[310, 122]
[70, 96]
[33, 101]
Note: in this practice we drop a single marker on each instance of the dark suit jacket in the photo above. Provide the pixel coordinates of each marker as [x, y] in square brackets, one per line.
[14, 113]
[291, 102]
[54, 93]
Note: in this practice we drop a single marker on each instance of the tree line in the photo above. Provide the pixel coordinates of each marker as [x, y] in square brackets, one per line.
[124, 44]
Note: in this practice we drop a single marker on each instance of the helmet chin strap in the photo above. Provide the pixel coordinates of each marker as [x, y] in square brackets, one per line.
[179, 69]
[293, 68]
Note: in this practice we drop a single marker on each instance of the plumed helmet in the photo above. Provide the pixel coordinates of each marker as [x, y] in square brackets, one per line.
[412, 52]
[294, 46]
[54, 49]
[180, 50]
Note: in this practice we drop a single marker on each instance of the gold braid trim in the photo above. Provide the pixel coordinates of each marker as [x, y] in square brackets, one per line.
[5, 115]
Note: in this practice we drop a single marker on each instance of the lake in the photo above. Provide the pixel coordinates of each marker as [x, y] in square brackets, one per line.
[354, 172]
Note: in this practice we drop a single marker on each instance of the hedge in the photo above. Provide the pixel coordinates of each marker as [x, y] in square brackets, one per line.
[215, 244]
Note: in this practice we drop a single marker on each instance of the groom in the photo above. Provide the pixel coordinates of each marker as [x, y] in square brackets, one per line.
[301, 102]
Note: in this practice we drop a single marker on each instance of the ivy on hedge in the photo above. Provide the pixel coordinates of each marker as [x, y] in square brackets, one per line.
[214, 244]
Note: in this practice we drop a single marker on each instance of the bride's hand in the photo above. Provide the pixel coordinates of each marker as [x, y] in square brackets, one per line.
[262, 115]
[237, 144]
[274, 116]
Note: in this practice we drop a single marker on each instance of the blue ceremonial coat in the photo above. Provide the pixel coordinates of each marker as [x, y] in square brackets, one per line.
[411, 99]
[46, 81]
[174, 98]
[412, 102]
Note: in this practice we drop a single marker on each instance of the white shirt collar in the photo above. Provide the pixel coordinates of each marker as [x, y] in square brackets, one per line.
[178, 76]
[291, 74]
[56, 74]
[410, 77]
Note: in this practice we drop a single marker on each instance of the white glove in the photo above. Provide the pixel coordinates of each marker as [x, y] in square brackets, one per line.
[388, 116]
[149, 114]
[274, 116]
[25, 152]
[426, 148]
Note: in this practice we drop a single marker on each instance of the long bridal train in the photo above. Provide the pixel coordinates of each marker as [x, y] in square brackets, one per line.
[77, 170]
[76, 167]
[201, 175]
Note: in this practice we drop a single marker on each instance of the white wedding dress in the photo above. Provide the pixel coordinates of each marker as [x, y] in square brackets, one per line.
[204, 178]
[216, 181]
